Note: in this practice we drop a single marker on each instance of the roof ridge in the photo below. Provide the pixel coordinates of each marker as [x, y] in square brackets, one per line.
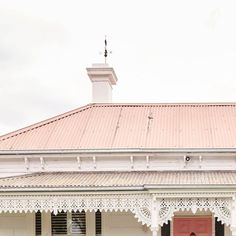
[168, 104]
[45, 122]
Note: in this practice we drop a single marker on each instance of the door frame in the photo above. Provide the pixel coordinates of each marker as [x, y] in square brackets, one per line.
[195, 217]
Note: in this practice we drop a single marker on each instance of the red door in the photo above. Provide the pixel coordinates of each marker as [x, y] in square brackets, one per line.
[201, 226]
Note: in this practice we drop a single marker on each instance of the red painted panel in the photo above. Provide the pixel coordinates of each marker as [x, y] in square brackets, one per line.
[200, 226]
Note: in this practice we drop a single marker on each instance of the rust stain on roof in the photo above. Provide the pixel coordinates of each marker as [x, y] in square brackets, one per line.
[109, 126]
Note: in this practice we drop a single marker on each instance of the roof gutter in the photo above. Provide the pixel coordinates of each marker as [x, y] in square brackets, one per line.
[147, 187]
[119, 150]
[74, 189]
[194, 188]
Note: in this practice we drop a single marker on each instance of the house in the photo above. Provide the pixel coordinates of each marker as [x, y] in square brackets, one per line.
[121, 169]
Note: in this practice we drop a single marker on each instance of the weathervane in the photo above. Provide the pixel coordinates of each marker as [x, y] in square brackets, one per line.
[105, 50]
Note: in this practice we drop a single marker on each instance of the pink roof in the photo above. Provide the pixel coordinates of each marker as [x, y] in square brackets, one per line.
[112, 126]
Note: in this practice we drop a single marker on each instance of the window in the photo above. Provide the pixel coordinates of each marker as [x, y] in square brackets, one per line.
[98, 219]
[38, 223]
[69, 223]
[165, 229]
[78, 223]
[59, 223]
[219, 228]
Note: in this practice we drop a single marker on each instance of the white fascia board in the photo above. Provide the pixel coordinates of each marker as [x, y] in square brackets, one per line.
[194, 187]
[120, 151]
[193, 190]
[74, 189]
[168, 189]
[69, 193]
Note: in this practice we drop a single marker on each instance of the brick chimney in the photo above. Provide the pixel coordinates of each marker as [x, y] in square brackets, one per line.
[103, 77]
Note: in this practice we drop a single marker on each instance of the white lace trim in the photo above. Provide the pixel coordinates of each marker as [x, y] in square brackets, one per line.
[140, 205]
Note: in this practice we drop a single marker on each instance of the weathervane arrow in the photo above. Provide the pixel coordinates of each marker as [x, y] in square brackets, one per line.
[105, 50]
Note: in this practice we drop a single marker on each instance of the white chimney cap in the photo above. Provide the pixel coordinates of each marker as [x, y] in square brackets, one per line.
[102, 77]
[102, 72]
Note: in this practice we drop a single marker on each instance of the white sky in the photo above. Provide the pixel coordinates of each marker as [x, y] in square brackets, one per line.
[162, 51]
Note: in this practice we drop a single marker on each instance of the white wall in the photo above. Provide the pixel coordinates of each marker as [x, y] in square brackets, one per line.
[17, 224]
[122, 223]
[227, 231]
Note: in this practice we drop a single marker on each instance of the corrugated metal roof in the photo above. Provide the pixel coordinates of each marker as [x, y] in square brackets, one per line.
[119, 179]
[109, 126]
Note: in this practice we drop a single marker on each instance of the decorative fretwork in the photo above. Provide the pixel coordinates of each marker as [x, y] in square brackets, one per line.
[143, 215]
[219, 207]
[140, 205]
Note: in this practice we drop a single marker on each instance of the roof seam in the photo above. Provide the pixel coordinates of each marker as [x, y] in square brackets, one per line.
[117, 127]
[150, 118]
[85, 127]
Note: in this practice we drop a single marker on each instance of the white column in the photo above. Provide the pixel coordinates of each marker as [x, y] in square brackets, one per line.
[155, 212]
[233, 231]
[46, 224]
[213, 225]
[106, 223]
[90, 224]
[233, 217]
[154, 232]
[30, 218]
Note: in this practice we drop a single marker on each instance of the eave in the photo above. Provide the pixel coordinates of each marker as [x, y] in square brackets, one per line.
[120, 151]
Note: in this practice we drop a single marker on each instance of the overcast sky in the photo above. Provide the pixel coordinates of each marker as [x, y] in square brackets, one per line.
[162, 51]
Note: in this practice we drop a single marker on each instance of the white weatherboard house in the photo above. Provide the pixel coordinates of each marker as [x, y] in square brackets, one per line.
[121, 170]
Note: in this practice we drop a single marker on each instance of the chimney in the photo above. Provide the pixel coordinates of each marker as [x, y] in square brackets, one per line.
[103, 78]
